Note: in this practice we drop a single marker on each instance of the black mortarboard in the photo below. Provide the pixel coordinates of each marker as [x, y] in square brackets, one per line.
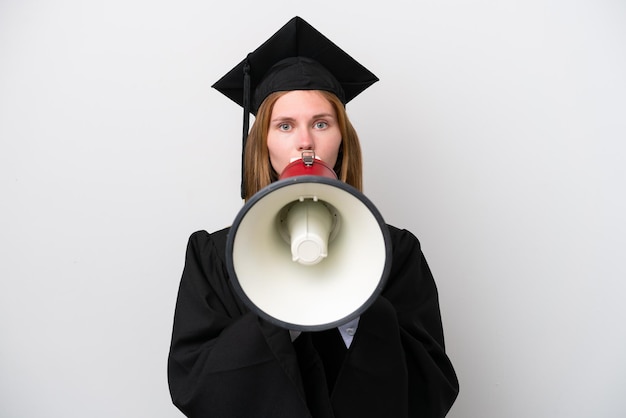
[297, 57]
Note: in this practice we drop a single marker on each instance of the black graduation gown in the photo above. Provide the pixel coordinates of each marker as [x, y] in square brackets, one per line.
[225, 362]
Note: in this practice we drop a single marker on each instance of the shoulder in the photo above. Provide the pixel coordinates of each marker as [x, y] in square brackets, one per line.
[402, 238]
[203, 237]
[407, 255]
[202, 242]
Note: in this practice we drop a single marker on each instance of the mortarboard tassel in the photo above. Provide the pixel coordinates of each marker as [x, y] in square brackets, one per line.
[246, 119]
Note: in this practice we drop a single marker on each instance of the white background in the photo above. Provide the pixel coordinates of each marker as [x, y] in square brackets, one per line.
[496, 135]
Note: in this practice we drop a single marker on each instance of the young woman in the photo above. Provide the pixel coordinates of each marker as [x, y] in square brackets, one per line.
[225, 361]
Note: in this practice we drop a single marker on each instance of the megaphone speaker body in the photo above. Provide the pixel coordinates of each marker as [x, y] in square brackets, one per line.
[316, 295]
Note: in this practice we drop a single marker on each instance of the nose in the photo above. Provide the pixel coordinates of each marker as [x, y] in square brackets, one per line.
[305, 141]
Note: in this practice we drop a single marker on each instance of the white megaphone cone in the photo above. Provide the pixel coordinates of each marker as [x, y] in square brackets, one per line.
[308, 252]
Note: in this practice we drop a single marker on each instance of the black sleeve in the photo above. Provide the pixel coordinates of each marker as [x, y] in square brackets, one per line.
[397, 361]
[223, 361]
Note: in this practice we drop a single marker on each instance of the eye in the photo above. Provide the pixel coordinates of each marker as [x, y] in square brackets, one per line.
[321, 125]
[284, 126]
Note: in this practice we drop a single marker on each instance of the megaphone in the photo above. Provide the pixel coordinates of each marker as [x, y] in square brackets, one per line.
[308, 252]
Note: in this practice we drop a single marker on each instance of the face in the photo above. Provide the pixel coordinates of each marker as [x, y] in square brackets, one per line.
[302, 120]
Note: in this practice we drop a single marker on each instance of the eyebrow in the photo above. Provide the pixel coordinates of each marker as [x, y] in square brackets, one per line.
[290, 119]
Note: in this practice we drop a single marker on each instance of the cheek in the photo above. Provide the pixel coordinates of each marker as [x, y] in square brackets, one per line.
[278, 155]
[330, 151]
[276, 163]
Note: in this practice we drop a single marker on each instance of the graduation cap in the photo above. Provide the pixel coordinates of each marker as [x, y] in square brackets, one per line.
[297, 57]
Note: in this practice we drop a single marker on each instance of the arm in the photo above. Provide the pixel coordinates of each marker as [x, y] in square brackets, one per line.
[398, 351]
[433, 384]
[223, 360]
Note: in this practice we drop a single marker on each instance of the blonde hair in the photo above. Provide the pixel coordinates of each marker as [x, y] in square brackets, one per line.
[258, 171]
